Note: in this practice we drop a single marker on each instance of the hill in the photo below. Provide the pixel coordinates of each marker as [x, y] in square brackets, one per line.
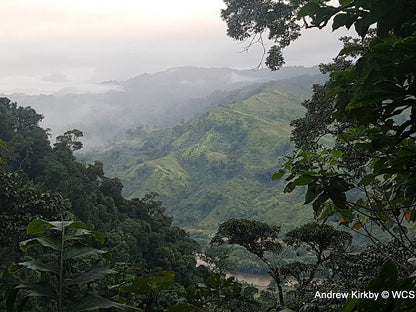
[157, 100]
[216, 166]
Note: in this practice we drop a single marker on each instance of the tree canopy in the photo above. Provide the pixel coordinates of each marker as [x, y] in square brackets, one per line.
[368, 106]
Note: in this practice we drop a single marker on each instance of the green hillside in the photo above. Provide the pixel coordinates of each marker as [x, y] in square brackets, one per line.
[217, 166]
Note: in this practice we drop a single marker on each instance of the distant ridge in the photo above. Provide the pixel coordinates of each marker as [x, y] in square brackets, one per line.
[151, 100]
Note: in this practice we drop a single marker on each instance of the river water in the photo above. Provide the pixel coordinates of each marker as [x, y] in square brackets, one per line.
[262, 280]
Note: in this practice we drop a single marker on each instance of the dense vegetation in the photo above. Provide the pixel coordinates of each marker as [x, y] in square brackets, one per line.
[40, 181]
[366, 179]
[363, 177]
[217, 166]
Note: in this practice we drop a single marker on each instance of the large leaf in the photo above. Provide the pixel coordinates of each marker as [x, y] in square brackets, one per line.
[309, 196]
[91, 303]
[79, 233]
[60, 225]
[90, 276]
[303, 180]
[309, 9]
[77, 225]
[38, 290]
[343, 20]
[37, 226]
[82, 251]
[46, 242]
[33, 265]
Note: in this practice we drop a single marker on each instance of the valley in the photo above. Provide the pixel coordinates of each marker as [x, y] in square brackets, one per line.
[216, 166]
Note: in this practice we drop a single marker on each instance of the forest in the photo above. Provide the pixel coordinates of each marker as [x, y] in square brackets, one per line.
[70, 240]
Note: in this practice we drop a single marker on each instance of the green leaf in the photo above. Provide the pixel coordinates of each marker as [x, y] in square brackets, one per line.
[37, 226]
[343, 20]
[303, 180]
[309, 197]
[46, 242]
[91, 303]
[77, 225]
[361, 27]
[278, 175]
[289, 187]
[33, 265]
[336, 154]
[366, 180]
[38, 290]
[345, 2]
[319, 201]
[77, 252]
[25, 245]
[308, 9]
[98, 236]
[90, 276]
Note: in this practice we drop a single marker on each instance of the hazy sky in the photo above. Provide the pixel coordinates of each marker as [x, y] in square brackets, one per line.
[52, 44]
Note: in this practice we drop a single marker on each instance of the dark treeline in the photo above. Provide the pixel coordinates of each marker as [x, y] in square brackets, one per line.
[43, 181]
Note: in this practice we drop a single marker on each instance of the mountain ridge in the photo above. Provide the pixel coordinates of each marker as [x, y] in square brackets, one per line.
[161, 100]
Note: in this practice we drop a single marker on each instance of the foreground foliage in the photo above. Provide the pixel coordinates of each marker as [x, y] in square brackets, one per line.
[66, 265]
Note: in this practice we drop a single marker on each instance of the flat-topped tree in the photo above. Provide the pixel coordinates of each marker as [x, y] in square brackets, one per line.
[320, 239]
[258, 238]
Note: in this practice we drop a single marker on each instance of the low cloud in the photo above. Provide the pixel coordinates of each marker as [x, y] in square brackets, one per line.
[89, 88]
[55, 78]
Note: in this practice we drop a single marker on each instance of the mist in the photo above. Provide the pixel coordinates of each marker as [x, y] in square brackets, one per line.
[105, 111]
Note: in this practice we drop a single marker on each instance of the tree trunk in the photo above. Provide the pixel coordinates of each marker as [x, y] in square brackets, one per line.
[276, 276]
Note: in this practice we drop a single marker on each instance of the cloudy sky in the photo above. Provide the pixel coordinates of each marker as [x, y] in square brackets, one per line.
[52, 44]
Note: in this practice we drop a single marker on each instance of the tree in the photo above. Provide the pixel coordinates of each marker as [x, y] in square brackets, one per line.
[69, 140]
[283, 21]
[322, 240]
[27, 142]
[20, 203]
[57, 184]
[258, 238]
[370, 103]
[372, 99]
[249, 20]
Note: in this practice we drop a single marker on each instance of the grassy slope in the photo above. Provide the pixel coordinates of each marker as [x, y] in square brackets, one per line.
[217, 166]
